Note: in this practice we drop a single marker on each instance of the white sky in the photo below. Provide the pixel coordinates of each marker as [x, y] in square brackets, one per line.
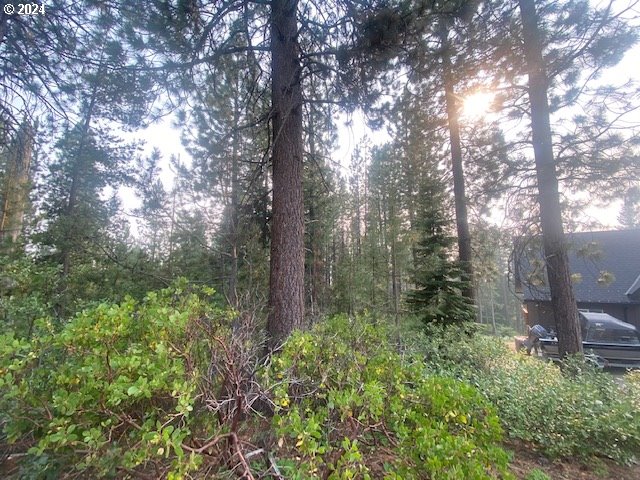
[353, 130]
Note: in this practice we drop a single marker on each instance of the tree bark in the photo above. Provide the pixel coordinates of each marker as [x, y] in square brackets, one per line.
[395, 284]
[505, 300]
[16, 186]
[234, 227]
[460, 198]
[286, 279]
[555, 247]
[493, 310]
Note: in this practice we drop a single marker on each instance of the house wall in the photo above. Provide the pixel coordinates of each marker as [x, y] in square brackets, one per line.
[542, 313]
[539, 313]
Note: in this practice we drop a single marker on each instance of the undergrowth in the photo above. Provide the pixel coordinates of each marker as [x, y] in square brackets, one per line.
[348, 406]
[578, 411]
[111, 393]
[174, 387]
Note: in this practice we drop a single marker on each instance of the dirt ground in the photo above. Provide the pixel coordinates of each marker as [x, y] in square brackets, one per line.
[525, 460]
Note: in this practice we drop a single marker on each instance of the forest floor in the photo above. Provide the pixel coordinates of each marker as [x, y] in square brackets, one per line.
[526, 460]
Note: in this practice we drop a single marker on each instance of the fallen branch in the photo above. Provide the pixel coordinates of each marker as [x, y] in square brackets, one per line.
[274, 467]
[207, 445]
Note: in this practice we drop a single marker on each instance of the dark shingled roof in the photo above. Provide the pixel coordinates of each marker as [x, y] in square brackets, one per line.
[616, 252]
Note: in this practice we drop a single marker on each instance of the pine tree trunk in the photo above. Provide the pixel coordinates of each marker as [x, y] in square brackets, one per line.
[311, 245]
[357, 219]
[16, 186]
[493, 310]
[460, 198]
[286, 280]
[74, 189]
[171, 230]
[232, 294]
[395, 286]
[383, 221]
[505, 300]
[555, 247]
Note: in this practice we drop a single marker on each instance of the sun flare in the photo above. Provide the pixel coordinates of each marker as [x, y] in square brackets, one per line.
[477, 105]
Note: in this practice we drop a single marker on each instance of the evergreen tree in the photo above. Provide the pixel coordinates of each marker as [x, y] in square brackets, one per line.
[79, 236]
[303, 41]
[629, 216]
[601, 39]
[322, 207]
[229, 170]
[459, 188]
[36, 53]
[439, 280]
[555, 247]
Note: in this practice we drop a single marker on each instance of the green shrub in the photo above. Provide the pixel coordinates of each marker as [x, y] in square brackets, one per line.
[113, 390]
[458, 350]
[27, 291]
[580, 412]
[631, 387]
[537, 474]
[348, 406]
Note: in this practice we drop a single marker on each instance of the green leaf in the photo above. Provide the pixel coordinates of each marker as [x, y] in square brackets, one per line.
[133, 390]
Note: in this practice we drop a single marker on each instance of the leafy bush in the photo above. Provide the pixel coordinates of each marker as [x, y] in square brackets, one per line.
[457, 350]
[580, 411]
[348, 406]
[27, 290]
[113, 390]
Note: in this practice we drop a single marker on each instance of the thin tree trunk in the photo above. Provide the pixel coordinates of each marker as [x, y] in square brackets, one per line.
[76, 176]
[171, 230]
[232, 294]
[286, 279]
[384, 222]
[505, 300]
[395, 287]
[460, 199]
[316, 287]
[77, 172]
[555, 247]
[493, 311]
[357, 219]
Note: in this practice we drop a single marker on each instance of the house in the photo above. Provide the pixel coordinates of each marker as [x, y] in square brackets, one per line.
[605, 268]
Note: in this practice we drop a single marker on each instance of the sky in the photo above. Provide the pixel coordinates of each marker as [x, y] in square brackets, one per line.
[353, 130]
